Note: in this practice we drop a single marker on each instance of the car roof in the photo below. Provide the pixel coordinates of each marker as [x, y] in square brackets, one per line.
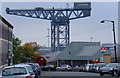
[113, 63]
[30, 63]
[18, 65]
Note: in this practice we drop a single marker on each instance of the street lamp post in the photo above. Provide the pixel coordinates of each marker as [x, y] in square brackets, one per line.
[103, 21]
[9, 61]
[48, 37]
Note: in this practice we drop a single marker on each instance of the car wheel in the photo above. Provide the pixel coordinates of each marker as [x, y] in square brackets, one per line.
[117, 74]
[114, 73]
[65, 69]
[36, 76]
[101, 74]
[39, 73]
[48, 69]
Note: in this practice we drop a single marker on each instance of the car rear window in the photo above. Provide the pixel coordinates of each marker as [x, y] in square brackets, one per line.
[14, 71]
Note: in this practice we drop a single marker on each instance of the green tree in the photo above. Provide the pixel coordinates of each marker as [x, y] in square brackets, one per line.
[28, 50]
[16, 44]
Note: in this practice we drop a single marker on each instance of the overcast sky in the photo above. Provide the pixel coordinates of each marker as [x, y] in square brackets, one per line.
[82, 29]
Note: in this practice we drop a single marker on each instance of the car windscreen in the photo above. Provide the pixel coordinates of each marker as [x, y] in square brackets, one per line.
[14, 71]
[111, 65]
[30, 70]
[33, 67]
[64, 65]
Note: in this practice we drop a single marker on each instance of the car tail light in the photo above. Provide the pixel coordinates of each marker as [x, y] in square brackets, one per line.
[28, 77]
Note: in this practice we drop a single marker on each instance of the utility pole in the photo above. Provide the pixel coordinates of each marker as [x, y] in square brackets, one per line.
[48, 37]
[9, 61]
[114, 38]
[91, 39]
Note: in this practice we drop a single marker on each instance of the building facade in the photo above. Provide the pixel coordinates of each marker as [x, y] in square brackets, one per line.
[5, 41]
[118, 22]
[80, 53]
[119, 28]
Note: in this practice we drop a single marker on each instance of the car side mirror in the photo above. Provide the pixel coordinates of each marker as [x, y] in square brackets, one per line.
[31, 73]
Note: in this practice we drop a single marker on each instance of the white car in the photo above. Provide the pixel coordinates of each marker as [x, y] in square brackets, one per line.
[87, 67]
[0, 76]
[18, 71]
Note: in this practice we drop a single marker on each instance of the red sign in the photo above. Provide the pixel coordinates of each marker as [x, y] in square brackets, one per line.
[103, 48]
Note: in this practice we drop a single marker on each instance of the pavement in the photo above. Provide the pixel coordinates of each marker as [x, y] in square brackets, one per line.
[68, 73]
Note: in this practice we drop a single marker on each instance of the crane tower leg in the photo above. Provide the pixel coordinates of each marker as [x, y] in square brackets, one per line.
[59, 34]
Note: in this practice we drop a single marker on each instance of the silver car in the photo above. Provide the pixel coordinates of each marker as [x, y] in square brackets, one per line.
[18, 71]
[87, 67]
[64, 67]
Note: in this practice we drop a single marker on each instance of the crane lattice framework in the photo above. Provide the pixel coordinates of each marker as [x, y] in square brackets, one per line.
[60, 19]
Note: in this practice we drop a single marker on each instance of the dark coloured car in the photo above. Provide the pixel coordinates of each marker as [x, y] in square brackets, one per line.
[117, 71]
[48, 68]
[109, 69]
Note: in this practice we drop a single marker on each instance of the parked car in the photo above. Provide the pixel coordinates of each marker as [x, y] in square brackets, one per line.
[94, 67]
[91, 68]
[48, 68]
[76, 68]
[18, 71]
[117, 71]
[64, 67]
[36, 68]
[82, 68]
[87, 67]
[98, 66]
[109, 69]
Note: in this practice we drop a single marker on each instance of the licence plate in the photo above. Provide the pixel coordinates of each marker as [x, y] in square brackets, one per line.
[104, 71]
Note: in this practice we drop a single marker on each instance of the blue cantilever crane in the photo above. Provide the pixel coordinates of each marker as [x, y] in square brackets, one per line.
[60, 19]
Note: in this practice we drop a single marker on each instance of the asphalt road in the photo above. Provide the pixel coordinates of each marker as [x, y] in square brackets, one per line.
[59, 74]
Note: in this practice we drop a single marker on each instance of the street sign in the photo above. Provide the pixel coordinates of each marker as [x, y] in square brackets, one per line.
[103, 49]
